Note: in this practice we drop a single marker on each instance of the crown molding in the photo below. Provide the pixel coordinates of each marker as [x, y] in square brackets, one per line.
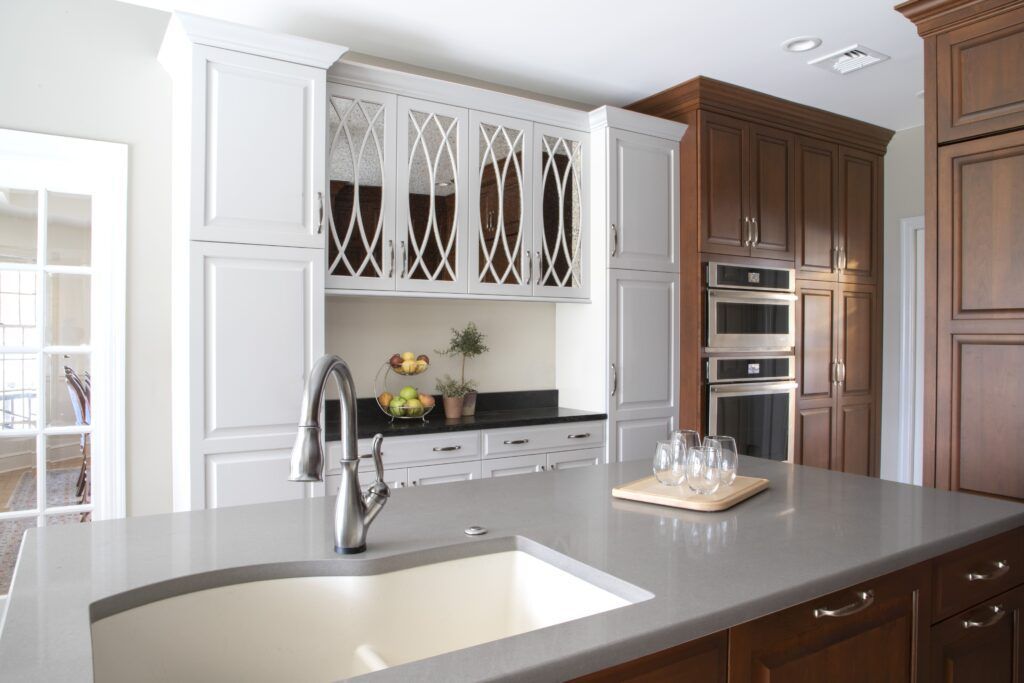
[230, 36]
[624, 119]
[708, 94]
[934, 16]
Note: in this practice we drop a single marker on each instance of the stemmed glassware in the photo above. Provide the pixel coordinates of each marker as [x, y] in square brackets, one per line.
[728, 458]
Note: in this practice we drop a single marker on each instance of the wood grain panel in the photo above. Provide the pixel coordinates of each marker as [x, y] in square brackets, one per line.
[859, 216]
[988, 432]
[816, 207]
[705, 659]
[856, 438]
[814, 436]
[816, 340]
[772, 179]
[724, 185]
[857, 333]
[993, 651]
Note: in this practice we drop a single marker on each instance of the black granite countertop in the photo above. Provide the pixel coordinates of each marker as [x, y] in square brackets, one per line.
[494, 410]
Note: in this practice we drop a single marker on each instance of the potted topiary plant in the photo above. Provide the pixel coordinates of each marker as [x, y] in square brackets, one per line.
[468, 343]
[453, 392]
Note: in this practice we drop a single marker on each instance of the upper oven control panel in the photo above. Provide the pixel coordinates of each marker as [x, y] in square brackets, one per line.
[731, 276]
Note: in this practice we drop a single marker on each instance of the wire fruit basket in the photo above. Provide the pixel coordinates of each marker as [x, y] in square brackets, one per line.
[396, 396]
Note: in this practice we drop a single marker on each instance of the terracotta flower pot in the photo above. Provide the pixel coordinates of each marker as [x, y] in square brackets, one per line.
[469, 404]
[453, 407]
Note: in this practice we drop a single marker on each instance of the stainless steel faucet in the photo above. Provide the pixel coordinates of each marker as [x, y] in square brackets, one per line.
[353, 512]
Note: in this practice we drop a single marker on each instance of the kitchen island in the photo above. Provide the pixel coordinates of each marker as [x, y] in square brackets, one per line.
[812, 533]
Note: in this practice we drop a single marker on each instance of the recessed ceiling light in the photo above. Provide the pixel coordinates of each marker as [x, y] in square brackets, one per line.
[801, 44]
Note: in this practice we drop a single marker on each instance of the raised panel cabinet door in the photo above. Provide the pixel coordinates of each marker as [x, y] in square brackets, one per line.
[873, 632]
[986, 451]
[361, 245]
[724, 219]
[980, 90]
[500, 205]
[981, 227]
[432, 197]
[261, 179]
[815, 434]
[644, 352]
[856, 436]
[817, 208]
[816, 340]
[561, 213]
[517, 464]
[704, 660]
[644, 202]
[772, 193]
[444, 474]
[858, 335]
[860, 234]
[567, 460]
[984, 644]
[258, 476]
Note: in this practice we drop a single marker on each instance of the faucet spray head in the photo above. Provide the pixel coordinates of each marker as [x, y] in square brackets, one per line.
[307, 456]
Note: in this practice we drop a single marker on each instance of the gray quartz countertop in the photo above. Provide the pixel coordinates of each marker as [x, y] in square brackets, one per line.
[811, 533]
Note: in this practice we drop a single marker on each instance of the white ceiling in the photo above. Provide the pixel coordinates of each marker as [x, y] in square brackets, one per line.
[615, 52]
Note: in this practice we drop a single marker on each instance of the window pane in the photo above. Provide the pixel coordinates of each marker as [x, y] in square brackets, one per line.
[19, 216]
[17, 473]
[66, 404]
[68, 229]
[19, 390]
[18, 308]
[67, 309]
[67, 480]
[11, 533]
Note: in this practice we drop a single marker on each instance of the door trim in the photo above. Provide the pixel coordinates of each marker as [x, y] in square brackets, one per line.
[909, 429]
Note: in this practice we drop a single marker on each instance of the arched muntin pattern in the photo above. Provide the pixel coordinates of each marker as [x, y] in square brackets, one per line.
[356, 172]
[561, 223]
[433, 216]
[501, 182]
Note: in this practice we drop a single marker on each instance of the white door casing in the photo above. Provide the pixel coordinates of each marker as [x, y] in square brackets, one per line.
[643, 198]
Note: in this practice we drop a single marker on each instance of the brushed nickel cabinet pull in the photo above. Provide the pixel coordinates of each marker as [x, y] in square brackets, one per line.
[515, 442]
[615, 240]
[445, 449]
[755, 236]
[391, 248]
[1001, 567]
[579, 436]
[320, 227]
[401, 270]
[615, 379]
[998, 612]
[863, 601]
[529, 267]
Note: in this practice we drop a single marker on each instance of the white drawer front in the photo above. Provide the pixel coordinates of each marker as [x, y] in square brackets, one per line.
[516, 464]
[566, 460]
[572, 435]
[443, 474]
[401, 451]
[395, 478]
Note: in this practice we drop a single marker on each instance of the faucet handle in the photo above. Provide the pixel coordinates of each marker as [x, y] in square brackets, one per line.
[378, 461]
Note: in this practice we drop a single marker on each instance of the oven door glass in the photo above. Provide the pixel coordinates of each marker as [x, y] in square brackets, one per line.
[759, 416]
[750, 320]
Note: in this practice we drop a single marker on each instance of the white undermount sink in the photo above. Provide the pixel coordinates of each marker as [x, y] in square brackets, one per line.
[323, 628]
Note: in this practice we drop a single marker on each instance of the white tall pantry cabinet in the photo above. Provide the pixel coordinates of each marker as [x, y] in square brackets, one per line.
[249, 127]
[620, 354]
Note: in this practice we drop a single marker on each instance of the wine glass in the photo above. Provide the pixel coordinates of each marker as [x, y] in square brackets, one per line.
[702, 469]
[687, 439]
[729, 458]
[669, 463]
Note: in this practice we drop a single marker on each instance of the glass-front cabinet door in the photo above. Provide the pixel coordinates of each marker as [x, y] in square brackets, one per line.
[361, 244]
[431, 196]
[561, 243]
[500, 205]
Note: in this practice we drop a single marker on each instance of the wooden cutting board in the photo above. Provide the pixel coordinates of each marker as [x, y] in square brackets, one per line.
[650, 490]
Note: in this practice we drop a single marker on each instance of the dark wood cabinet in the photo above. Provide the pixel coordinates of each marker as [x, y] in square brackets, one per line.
[839, 377]
[817, 208]
[705, 660]
[859, 239]
[984, 644]
[748, 179]
[870, 632]
[974, 226]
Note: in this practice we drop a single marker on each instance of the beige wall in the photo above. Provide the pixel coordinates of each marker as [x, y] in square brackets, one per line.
[904, 198]
[88, 69]
[365, 331]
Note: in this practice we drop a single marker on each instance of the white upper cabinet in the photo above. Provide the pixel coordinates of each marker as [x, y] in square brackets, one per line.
[501, 237]
[562, 234]
[361, 242]
[432, 197]
[643, 202]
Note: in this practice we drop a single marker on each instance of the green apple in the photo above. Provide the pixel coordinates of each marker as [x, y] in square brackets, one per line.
[414, 407]
[408, 393]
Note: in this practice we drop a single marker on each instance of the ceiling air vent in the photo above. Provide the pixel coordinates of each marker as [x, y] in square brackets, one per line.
[849, 59]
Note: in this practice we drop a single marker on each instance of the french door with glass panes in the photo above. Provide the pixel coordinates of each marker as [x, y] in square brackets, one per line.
[62, 223]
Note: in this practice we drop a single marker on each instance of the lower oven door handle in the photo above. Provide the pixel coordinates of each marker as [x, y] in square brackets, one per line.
[753, 388]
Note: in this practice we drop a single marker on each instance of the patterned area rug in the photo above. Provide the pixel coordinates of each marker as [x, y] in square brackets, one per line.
[60, 490]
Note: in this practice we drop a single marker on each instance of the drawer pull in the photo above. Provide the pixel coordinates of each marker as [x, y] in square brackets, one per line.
[515, 442]
[445, 449]
[864, 600]
[1001, 567]
[998, 612]
[584, 435]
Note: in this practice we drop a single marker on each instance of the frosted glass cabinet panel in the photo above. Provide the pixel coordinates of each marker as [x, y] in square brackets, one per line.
[361, 245]
[432, 202]
[562, 241]
[501, 225]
